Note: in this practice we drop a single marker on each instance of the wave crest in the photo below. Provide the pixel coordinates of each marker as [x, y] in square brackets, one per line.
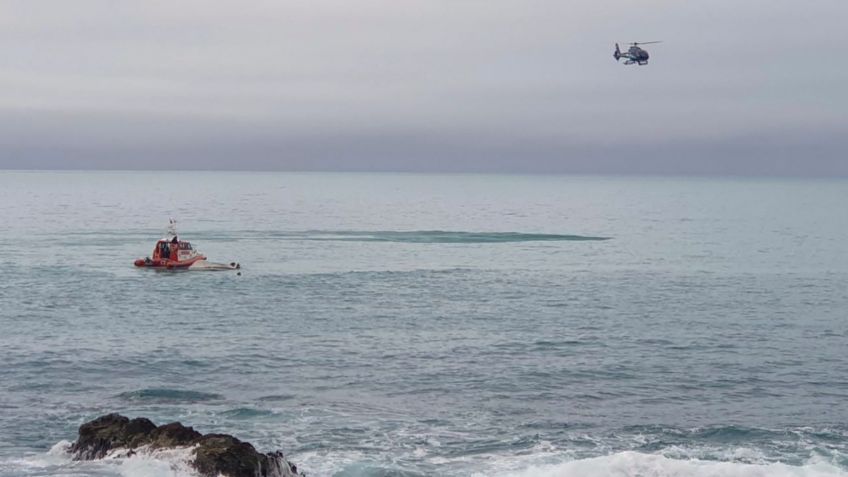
[635, 464]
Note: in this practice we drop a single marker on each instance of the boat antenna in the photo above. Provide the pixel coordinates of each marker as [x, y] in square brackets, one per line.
[172, 228]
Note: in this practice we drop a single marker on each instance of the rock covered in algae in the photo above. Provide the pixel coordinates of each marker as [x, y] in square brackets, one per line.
[212, 454]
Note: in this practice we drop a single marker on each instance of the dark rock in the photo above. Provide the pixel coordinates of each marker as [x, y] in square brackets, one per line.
[220, 453]
[98, 437]
[173, 435]
[137, 430]
[214, 454]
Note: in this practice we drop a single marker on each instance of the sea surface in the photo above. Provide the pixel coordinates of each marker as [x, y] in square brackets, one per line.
[421, 325]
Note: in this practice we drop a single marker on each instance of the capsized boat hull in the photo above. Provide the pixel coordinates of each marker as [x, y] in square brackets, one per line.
[212, 266]
[198, 263]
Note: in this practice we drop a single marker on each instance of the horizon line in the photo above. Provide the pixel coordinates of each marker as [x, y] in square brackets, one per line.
[646, 174]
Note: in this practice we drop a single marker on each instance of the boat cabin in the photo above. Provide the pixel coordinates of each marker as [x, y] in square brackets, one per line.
[173, 249]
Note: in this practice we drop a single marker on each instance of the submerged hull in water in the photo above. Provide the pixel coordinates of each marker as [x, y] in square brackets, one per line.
[212, 266]
[171, 253]
[198, 263]
[168, 263]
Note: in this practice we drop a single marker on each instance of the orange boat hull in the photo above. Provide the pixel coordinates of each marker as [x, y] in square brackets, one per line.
[167, 263]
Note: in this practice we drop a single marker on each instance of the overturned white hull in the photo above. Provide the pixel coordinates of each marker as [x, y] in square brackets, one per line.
[205, 265]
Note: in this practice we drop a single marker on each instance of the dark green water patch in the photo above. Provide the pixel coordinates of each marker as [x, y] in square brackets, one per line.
[164, 395]
[246, 413]
[434, 237]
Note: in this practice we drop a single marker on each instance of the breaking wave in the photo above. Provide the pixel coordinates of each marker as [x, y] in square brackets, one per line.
[146, 463]
[161, 463]
[544, 463]
[635, 464]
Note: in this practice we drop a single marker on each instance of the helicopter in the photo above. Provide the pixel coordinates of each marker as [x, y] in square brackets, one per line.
[634, 55]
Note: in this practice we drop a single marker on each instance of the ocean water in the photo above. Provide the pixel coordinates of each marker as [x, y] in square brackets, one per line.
[418, 325]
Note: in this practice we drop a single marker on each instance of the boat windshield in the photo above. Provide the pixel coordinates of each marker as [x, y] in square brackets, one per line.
[185, 246]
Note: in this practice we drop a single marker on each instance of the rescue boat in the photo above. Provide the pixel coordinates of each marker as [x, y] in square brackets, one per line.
[171, 253]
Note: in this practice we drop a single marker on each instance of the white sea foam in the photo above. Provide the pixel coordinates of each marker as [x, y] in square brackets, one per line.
[634, 464]
[141, 462]
[60, 449]
[55, 462]
[322, 463]
[150, 467]
[55, 457]
[145, 463]
[748, 455]
[161, 463]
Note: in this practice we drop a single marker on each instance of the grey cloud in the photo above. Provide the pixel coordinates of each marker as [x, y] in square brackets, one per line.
[737, 88]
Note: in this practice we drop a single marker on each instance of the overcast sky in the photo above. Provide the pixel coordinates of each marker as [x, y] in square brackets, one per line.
[737, 87]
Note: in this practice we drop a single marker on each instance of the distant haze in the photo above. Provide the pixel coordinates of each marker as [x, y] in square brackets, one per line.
[753, 88]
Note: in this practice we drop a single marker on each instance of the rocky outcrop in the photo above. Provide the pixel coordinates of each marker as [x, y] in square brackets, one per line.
[213, 454]
[113, 431]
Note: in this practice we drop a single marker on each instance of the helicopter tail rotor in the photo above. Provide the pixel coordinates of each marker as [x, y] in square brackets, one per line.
[617, 54]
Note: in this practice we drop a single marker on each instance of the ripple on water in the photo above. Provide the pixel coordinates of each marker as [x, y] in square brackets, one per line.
[165, 395]
[247, 413]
